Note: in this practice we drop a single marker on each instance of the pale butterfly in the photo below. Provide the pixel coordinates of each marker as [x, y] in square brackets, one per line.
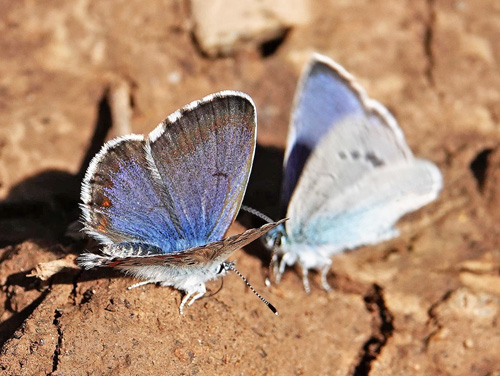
[348, 173]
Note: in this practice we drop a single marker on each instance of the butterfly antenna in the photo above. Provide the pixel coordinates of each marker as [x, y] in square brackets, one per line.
[230, 266]
[257, 213]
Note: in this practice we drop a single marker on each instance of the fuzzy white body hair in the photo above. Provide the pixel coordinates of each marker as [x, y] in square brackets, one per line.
[190, 280]
[308, 257]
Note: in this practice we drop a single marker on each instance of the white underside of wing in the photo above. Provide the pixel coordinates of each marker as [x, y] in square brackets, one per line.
[356, 184]
[353, 149]
[365, 212]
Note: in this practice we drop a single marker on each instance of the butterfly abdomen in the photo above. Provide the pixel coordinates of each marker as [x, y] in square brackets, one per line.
[90, 260]
[114, 254]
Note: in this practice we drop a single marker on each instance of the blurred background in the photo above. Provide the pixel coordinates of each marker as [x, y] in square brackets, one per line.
[75, 74]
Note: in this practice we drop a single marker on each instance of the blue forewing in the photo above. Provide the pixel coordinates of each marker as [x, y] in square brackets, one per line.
[178, 188]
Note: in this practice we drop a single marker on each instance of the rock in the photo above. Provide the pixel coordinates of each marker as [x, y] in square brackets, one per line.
[223, 26]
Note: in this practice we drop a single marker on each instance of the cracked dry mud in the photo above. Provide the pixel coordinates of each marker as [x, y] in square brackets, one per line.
[426, 303]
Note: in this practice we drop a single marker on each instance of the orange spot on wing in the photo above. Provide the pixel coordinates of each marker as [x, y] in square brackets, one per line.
[103, 224]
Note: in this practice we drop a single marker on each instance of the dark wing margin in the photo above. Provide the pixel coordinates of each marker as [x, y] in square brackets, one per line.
[214, 252]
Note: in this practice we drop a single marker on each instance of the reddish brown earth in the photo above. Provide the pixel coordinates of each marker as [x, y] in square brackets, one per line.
[426, 303]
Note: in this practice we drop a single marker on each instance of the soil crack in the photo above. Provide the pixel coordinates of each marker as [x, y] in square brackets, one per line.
[428, 41]
[74, 293]
[58, 349]
[433, 319]
[382, 331]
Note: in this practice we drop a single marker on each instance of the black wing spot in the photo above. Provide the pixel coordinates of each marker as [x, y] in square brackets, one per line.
[220, 174]
[374, 160]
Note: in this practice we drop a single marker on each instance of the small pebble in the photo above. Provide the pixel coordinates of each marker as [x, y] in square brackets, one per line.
[468, 343]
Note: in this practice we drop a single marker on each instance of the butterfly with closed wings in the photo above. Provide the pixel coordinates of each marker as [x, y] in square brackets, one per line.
[348, 173]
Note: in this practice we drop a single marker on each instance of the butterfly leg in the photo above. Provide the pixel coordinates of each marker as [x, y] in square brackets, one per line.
[324, 282]
[194, 295]
[141, 284]
[184, 301]
[305, 279]
[274, 264]
[280, 269]
[273, 269]
[288, 258]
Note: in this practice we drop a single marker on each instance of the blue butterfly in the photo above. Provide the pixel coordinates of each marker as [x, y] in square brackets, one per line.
[348, 173]
[161, 204]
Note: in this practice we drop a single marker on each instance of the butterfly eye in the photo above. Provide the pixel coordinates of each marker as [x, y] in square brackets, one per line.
[274, 237]
[220, 269]
[277, 240]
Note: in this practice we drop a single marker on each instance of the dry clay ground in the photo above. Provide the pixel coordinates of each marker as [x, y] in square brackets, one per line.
[426, 303]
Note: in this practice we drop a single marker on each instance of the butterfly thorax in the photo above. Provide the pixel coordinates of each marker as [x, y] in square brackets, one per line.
[308, 256]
